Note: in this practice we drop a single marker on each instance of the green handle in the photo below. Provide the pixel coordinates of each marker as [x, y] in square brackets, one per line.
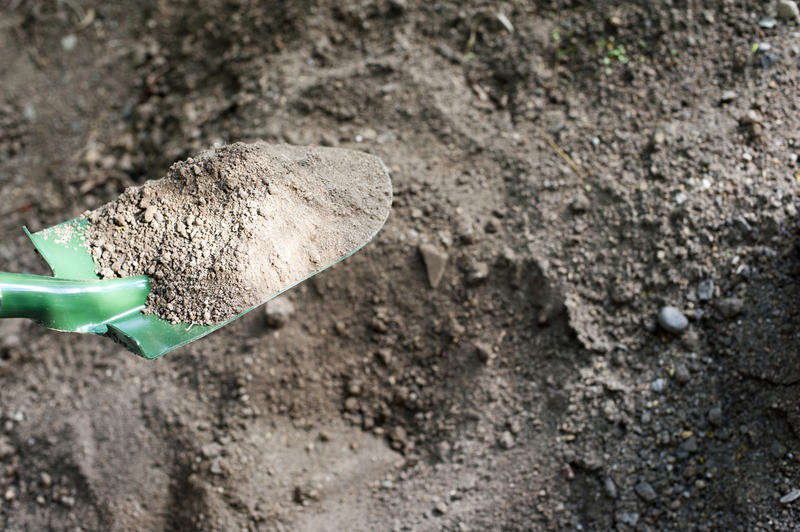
[71, 305]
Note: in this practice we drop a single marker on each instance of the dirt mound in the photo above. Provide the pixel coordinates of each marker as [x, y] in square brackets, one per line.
[227, 229]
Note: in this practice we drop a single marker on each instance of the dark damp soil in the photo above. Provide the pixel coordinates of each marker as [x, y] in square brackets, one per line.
[575, 166]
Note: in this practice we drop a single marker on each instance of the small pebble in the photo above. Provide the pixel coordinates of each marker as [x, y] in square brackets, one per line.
[435, 261]
[443, 449]
[384, 355]
[484, 351]
[715, 416]
[211, 450]
[354, 388]
[69, 502]
[278, 311]
[728, 96]
[506, 440]
[690, 445]
[790, 497]
[672, 320]
[478, 272]
[328, 139]
[730, 307]
[788, 10]
[398, 434]
[610, 487]
[351, 404]
[705, 290]
[691, 340]
[68, 42]
[440, 508]
[29, 112]
[767, 23]
[658, 385]
[580, 203]
[646, 491]
[682, 375]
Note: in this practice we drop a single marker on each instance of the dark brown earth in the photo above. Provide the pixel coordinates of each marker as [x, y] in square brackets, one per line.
[582, 165]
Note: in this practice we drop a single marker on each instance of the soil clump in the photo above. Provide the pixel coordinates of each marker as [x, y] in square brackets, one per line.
[227, 229]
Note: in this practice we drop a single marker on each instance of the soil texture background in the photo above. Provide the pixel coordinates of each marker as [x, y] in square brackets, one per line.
[563, 170]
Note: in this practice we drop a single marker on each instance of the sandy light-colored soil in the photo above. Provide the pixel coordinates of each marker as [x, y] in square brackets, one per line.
[579, 164]
[228, 229]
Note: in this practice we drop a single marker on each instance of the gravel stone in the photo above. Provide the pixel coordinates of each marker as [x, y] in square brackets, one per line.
[658, 385]
[705, 290]
[672, 320]
[478, 273]
[464, 228]
[690, 445]
[484, 351]
[69, 42]
[211, 450]
[398, 434]
[715, 416]
[69, 502]
[730, 307]
[29, 112]
[682, 374]
[610, 488]
[278, 312]
[629, 518]
[506, 440]
[790, 497]
[440, 508]
[788, 10]
[435, 261]
[591, 460]
[580, 203]
[351, 404]
[646, 491]
[767, 23]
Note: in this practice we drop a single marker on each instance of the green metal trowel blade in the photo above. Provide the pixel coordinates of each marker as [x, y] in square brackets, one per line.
[63, 248]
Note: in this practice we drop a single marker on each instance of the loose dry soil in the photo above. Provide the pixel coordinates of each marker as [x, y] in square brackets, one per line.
[580, 165]
[224, 231]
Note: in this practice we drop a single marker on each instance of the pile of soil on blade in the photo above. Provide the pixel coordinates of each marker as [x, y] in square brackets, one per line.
[223, 231]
